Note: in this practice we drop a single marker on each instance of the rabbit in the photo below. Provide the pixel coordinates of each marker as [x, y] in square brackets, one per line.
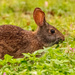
[15, 40]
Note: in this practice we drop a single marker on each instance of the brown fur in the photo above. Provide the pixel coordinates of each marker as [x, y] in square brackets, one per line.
[15, 41]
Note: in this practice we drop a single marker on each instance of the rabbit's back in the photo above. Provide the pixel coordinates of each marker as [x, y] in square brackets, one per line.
[8, 31]
[13, 39]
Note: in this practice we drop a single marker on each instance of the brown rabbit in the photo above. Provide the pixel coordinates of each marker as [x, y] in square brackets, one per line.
[15, 41]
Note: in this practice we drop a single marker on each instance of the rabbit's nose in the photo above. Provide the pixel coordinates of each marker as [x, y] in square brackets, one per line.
[63, 38]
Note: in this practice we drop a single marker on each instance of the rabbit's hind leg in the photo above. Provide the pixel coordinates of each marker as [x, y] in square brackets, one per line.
[4, 49]
[5, 45]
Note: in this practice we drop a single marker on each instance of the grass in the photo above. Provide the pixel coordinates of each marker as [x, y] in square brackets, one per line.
[58, 59]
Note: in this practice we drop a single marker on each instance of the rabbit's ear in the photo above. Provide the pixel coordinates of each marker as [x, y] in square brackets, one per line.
[39, 16]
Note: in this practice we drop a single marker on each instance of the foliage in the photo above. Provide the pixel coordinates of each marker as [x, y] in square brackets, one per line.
[58, 59]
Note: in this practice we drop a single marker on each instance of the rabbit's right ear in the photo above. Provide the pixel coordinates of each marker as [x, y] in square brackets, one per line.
[39, 16]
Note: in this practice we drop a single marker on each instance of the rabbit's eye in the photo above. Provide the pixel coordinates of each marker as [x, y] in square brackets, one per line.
[52, 31]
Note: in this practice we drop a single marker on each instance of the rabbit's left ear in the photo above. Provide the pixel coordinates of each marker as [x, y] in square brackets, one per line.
[39, 16]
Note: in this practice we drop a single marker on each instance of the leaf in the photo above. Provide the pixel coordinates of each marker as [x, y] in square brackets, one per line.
[26, 55]
[7, 57]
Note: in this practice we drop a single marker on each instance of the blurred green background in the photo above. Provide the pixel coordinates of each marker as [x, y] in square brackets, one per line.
[60, 59]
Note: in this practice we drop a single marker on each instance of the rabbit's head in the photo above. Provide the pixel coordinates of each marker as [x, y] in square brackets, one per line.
[48, 34]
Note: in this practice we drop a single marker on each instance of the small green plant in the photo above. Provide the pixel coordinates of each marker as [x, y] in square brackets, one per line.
[54, 61]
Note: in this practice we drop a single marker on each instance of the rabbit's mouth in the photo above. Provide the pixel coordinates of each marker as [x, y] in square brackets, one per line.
[56, 42]
[52, 43]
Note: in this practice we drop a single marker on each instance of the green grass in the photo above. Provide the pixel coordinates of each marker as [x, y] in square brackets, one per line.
[58, 59]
